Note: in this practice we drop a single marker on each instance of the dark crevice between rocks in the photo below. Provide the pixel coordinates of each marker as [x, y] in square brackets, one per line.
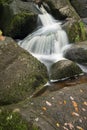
[56, 13]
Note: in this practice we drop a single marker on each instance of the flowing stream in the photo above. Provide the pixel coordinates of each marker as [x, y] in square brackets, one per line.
[47, 42]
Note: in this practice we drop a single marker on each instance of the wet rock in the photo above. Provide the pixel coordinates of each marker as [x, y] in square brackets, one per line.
[76, 53]
[20, 73]
[18, 18]
[58, 110]
[64, 69]
[76, 30]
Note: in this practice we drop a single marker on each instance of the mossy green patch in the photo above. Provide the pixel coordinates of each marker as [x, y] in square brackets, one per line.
[77, 32]
[15, 21]
[10, 120]
[19, 23]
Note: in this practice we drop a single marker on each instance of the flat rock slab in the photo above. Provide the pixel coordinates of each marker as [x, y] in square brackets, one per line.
[65, 109]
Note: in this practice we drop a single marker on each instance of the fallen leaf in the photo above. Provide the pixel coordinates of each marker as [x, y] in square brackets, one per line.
[81, 90]
[70, 125]
[57, 124]
[65, 128]
[48, 103]
[75, 114]
[53, 98]
[44, 108]
[85, 117]
[84, 109]
[64, 102]
[79, 128]
[80, 120]
[37, 119]
[85, 103]
[16, 110]
[75, 106]
[71, 98]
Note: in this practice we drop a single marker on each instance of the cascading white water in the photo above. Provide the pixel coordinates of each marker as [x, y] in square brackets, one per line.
[47, 42]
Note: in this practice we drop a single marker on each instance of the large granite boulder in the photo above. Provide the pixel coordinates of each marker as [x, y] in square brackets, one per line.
[20, 73]
[76, 53]
[64, 69]
[18, 18]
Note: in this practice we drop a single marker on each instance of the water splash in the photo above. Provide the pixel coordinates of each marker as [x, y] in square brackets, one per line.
[47, 42]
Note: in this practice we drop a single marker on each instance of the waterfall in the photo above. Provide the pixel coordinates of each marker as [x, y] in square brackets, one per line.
[47, 42]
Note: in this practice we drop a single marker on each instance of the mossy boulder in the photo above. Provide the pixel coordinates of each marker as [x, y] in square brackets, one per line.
[64, 69]
[20, 73]
[76, 31]
[18, 18]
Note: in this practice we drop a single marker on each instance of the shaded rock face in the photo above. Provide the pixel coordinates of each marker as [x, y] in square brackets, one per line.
[76, 30]
[76, 53]
[18, 18]
[20, 73]
[64, 7]
[80, 6]
[64, 69]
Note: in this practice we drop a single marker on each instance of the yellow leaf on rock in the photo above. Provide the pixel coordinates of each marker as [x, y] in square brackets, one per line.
[85, 103]
[64, 102]
[44, 108]
[57, 124]
[0, 32]
[75, 106]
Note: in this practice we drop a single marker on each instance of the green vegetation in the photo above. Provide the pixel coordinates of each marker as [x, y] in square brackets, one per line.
[77, 32]
[11, 120]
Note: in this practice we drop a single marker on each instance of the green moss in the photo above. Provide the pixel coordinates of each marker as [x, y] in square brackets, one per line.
[68, 70]
[16, 24]
[10, 120]
[19, 24]
[77, 32]
[21, 91]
